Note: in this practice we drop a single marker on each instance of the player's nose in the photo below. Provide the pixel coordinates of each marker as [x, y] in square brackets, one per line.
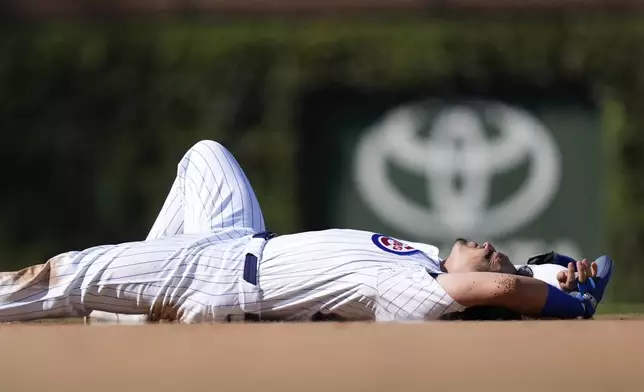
[489, 247]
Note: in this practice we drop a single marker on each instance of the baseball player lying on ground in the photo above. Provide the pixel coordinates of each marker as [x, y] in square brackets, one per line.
[209, 258]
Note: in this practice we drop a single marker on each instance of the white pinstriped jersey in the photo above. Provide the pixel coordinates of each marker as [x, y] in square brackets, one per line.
[190, 265]
[354, 274]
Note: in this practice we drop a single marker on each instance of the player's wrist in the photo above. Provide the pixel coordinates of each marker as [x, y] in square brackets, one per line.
[588, 301]
[566, 306]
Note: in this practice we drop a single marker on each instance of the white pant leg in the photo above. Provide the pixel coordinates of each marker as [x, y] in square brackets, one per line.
[125, 278]
[39, 291]
[211, 192]
[170, 219]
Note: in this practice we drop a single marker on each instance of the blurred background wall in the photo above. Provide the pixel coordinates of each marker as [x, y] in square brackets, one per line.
[519, 122]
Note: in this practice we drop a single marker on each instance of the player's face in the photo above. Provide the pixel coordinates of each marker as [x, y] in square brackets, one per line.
[469, 256]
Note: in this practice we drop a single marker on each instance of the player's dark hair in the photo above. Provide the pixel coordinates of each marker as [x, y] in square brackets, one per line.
[525, 271]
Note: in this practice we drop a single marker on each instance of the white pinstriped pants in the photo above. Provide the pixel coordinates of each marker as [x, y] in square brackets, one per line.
[210, 194]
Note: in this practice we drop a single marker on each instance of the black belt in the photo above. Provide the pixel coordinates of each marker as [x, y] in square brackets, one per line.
[250, 270]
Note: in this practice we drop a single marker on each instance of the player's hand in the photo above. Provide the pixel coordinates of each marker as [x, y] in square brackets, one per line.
[568, 279]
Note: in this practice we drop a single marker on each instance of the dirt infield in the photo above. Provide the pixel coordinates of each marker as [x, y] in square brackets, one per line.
[597, 355]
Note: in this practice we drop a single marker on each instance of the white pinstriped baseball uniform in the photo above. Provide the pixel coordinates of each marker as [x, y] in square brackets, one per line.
[191, 264]
[195, 278]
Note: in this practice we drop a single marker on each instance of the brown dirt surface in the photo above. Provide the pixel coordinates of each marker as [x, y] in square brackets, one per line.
[594, 355]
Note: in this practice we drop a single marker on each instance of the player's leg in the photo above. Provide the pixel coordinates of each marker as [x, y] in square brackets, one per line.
[44, 290]
[170, 219]
[211, 192]
[25, 294]
[124, 278]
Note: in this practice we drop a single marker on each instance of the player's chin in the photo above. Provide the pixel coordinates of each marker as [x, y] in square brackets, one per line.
[503, 258]
[504, 264]
[497, 262]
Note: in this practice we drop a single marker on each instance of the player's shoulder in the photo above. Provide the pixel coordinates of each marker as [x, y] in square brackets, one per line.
[430, 250]
[392, 246]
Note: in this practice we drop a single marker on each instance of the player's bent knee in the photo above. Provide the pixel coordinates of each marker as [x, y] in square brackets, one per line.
[209, 147]
[209, 152]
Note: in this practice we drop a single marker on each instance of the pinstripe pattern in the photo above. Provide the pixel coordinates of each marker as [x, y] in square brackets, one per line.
[210, 193]
[196, 278]
[190, 277]
[190, 266]
[341, 271]
[408, 293]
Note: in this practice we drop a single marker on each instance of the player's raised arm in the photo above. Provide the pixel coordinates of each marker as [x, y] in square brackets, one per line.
[522, 294]
[409, 293]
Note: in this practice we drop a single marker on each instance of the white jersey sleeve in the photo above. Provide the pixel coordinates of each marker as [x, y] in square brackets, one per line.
[410, 293]
[546, 273]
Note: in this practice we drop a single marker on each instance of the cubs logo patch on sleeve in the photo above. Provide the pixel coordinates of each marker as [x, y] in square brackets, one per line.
[392, 245]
